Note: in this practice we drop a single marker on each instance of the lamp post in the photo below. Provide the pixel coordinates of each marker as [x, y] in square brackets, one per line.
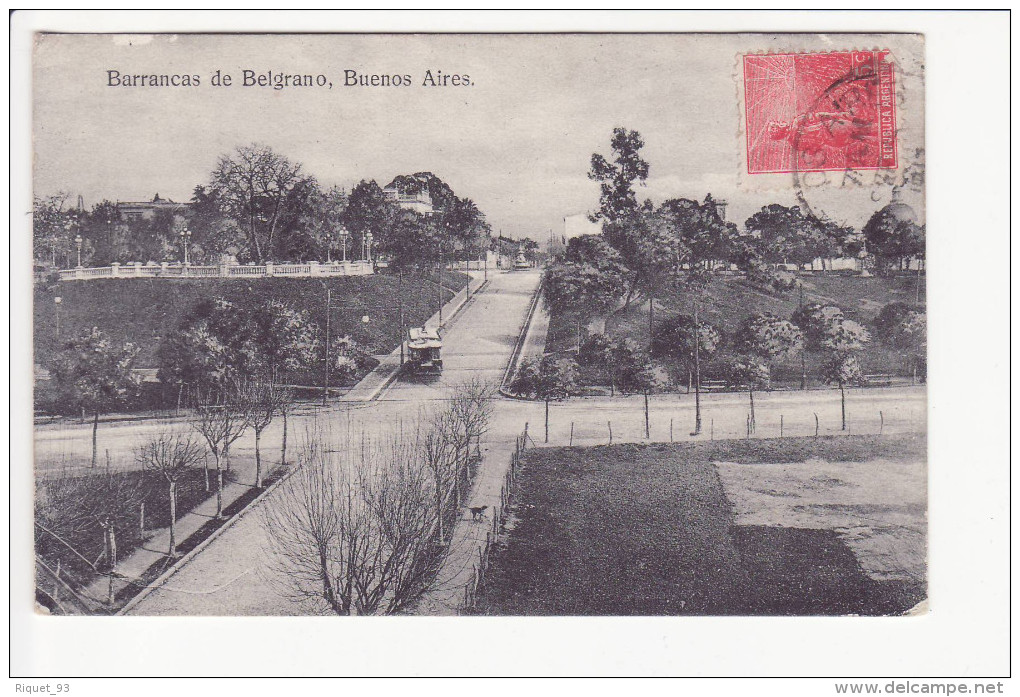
[344, 235]
[186, 240]
[56, 302]
[78, 241]
[368, 242]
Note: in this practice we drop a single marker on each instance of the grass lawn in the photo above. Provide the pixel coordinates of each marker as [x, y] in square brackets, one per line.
[143, 310]
[731, 299]
[649, 530]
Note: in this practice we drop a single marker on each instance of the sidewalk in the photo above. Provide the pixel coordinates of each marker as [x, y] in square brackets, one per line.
[154, 549]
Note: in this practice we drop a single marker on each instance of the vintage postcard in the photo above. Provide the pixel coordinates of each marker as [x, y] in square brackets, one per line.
[465, 324]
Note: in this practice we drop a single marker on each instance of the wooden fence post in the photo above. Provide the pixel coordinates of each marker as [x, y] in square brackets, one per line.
[571, 433]
[610, 424]
[141, 519]
[816, 424]
[881, 422]
[780, 425]
[671, 430]
[711, 429]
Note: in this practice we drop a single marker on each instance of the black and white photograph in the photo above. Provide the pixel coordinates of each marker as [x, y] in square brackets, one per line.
[480, 325]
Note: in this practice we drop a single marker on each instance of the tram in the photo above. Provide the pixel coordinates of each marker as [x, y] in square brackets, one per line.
[424, 350]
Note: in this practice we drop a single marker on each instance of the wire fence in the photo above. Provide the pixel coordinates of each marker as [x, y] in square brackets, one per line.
[499, 518]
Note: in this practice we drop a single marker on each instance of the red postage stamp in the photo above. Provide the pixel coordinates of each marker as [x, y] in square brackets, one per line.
[819, 111]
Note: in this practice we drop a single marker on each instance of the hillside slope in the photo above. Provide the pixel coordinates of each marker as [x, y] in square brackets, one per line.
[731, 299]
[143, 310]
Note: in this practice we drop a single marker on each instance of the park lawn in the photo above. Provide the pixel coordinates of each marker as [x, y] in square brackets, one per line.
[649, 530]
[143, 310]
[731, 299]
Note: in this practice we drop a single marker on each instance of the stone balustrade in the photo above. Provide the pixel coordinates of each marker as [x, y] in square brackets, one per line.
[166, 270]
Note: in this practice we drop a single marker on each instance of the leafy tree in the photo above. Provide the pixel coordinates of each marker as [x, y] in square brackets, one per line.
[170, 453]
[632, 371]
[94, 375]
[752, 373]
[529, 248]
[347, 357]
[894, 237]
[258, 188]
[308, 228]
[586, 288]
[465, 227]
[783, 234]
[192, 355]
[674, 341]
[914, 340]
[847, 336]
[843, 341]
[769, 338]
[596, 360]
[617, 178]
[213, 234]
[890, 318]
[695, 233]
[53, 229]
[285, 338]
[816, 321]
[368, 210]
[551, 379]
[220, 340]
[904, 328]
[842, 369]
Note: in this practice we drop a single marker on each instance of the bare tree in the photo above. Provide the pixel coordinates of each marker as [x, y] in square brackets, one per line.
[221, 423]
[261, 400]
[354, 529]
[286, 402]
[254, 186]
[438, 451]
[470, 409]
[170, 453]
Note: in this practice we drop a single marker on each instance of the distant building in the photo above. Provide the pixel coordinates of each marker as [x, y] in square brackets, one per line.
[418, 201]
[146, 210]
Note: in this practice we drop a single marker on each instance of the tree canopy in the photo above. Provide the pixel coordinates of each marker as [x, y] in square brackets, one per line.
[617, 176]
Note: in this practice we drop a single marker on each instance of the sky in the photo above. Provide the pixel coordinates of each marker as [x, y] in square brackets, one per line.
[517, 140]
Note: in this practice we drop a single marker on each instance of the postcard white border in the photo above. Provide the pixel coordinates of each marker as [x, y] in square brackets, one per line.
[966, 632]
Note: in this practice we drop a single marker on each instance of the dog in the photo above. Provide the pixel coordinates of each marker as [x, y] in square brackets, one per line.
[477, 512]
